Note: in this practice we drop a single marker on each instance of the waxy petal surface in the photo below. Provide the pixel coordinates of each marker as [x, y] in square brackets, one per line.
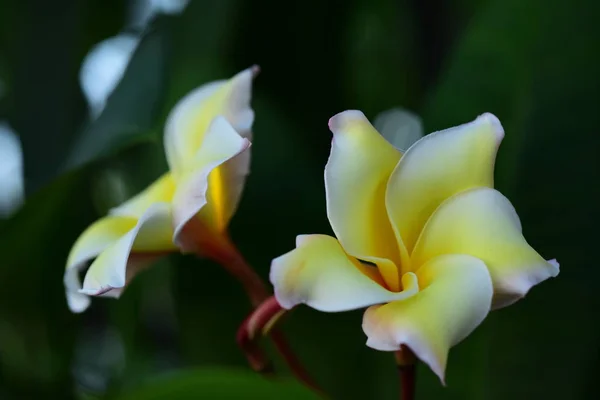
[483, 223]
[438, 166]
[204, 191]
[356, 176]
[188, 123]
[320, 274]
[455, 297]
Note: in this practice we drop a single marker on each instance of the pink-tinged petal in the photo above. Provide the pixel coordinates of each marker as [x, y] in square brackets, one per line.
[203, 191]
[438, 166]
[191, 117]
[356, 176]
[482, 223]
[151, 235]
[321, 275]
[455, 297]
[92, 242]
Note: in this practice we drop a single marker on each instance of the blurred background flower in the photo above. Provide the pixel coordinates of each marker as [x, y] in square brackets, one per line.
[11, 171]
[103, 68]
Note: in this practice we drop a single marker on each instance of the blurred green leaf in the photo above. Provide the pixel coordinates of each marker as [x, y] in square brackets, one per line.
[44, 103]
[217, 384]
[381, 70]
[132, 112]
[541, 80]
[36, 327]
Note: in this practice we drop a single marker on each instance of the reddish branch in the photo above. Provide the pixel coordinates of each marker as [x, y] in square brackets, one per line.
[267, 310]
[261, 323]
[406, 362]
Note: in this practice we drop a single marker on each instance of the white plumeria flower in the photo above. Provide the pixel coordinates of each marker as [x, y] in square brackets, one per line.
[423, 240]
[188, 208]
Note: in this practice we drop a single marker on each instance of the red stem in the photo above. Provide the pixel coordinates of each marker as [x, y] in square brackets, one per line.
[231, 259]
[267, 309]
[291, 360]
[406, 362]
[260, 323]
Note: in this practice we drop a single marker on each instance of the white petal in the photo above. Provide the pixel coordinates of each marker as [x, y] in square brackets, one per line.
[142, 11]
[400, 127]
[483, 223]
[99, 236]
[455, 296]
[221, 143]
[110, 269]
[12, 184]
[321, 275]
[438, 166]
[103, 67]
[188, 122]
[356, 176]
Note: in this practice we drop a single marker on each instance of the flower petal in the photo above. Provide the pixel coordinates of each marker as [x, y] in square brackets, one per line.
[92, 242]
[438, 166]
[12, 181]
[206, 189]
[151, 235]
[356, 175]
[320, 274]
[482, 223]
[160, 191]
[400, 127]
[188, 123]
[455, 297]
[103, 67]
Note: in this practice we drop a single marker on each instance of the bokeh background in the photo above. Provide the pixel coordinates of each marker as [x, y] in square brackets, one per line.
[535, 64]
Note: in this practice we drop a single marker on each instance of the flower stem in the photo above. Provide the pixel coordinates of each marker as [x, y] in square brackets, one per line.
[232, 260]
[261, 321]
[406, 363]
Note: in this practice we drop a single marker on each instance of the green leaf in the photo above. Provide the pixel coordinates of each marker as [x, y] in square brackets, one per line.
[35, 343]
[42, 57]
[523, 62]
[132, 110]
[381, 68]
[217, 384]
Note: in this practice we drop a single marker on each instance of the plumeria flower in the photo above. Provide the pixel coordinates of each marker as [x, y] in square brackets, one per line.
[188, 208]
[423, 239]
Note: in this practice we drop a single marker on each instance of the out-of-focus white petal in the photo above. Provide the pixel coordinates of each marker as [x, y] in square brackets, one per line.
[400, 127]
[103, 68]
[11, 171]
[170, 6]
[142, 11]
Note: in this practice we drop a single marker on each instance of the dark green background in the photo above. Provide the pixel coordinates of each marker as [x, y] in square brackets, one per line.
[535, 64]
